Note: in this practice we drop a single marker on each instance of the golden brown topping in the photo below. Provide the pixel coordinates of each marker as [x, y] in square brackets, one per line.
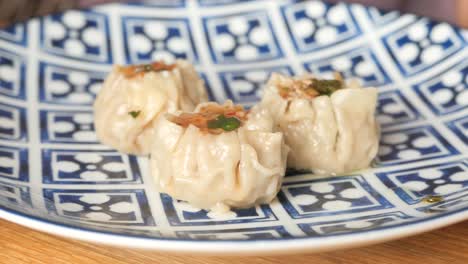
[213, 118]
[132, 71]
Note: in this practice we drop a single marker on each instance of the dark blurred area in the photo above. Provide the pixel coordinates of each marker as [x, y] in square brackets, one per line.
[443, 10]
[453, 11]
[12, 11]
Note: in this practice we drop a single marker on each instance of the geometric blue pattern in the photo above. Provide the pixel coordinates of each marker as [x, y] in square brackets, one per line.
[12, 75]
[182, 214]
[447, 205]
[460, 128]
[53, 168]
[67, 127]
[149, 39]
[87, 167]
[446, 93]
[60, 84]
[359, 63]
[413, 144]
[241, 37]
[381, 17]
[159, 3]
[204, 77]
[423, 44]
[412, 185]
[352, 225]
[128, 207]
[12, 123]
[394, 109]
[15, 34]
[74, 34]
[14, 163]
[15, 196]
[315, 25]
[220, 2]
[341, 195]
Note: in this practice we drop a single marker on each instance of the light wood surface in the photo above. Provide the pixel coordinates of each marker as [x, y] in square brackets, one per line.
[448, 245]
[22, 245]
[462, 12]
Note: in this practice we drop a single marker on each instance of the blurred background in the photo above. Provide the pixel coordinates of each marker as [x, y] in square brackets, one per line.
[453, 11]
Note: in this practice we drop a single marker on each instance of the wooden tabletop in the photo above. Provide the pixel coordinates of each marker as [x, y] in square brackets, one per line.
[22, 245]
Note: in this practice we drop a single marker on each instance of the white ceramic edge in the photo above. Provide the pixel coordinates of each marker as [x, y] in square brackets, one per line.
[262, 247]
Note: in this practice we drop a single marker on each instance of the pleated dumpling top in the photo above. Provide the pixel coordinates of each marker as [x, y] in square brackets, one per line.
[133, 97]
[329, 125]
[219, 156]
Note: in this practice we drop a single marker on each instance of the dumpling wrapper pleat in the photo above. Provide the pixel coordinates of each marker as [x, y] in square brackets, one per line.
[327, 134]
[149, 96]
[238, 169]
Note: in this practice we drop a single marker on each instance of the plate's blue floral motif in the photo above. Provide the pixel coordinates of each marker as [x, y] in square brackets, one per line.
[393, 109]
[360, 64]
[113, 207]
[53, 168]
[182, 213]
[60, 84]
[81, 35]
[315, 24]
[410, 145]
[446, 93]
[67, 127]
[242, 37]
[423, 44]
[62, 166]
[149, 39]
[414, 184]
[334, 196]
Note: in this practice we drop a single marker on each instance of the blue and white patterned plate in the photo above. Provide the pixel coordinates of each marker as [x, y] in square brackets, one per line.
[55, 176]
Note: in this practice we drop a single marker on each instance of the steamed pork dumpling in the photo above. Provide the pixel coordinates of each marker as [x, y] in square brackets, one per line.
[328, 124]
[219, 156]
[132, 98]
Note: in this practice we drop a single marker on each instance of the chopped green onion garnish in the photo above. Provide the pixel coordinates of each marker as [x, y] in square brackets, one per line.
[326, 87]
[134, 114]
[230, 124]
[225, 123]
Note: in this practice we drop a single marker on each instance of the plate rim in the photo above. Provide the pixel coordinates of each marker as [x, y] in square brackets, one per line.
[239, 247]
[258, 247]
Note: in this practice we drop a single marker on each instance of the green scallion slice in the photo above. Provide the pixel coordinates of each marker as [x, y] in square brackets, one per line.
[134, 114]
[225, 123]
[326, 87]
